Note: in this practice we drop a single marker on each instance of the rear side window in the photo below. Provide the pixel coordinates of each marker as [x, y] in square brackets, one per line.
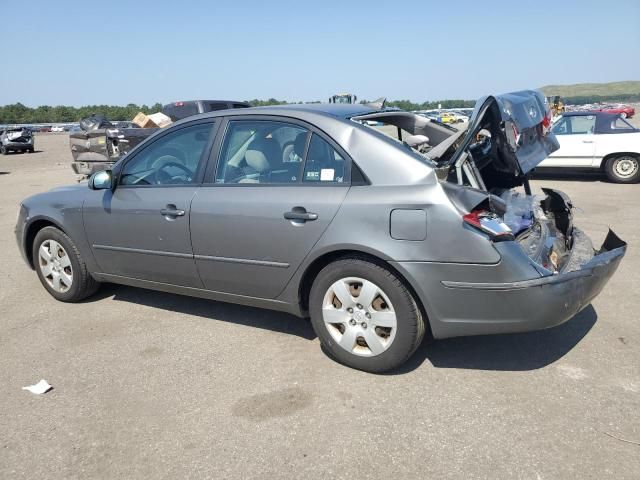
[324, 164]
[179, 110]
[258, 151]
[215, 106]
[621, 124]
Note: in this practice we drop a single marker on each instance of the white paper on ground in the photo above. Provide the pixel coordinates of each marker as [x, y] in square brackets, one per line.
[39, 388]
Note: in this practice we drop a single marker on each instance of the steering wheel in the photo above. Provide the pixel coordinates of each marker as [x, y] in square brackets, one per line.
[163, 177]
[165, 152]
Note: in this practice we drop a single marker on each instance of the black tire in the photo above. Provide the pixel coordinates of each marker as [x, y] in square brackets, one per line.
[410, 323]
[83, 284]
[31, 150]
[4, 151]
[612, 168]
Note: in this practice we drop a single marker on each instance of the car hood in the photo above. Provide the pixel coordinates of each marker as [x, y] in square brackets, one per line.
[522, 121]
[70, 188]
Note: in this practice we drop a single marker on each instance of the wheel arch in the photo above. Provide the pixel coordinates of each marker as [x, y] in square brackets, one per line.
[313, 269]
[32, 230]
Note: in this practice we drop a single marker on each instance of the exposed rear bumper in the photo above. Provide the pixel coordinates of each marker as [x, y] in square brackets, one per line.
[460, 307]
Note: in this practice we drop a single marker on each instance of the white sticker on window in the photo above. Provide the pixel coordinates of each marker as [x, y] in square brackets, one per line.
[327, 174]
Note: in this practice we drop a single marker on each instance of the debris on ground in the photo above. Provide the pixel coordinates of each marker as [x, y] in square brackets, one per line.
[39, 388]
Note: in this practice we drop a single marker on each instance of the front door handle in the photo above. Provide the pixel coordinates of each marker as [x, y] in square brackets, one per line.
[301, 215]
[172, 211]
[587, 141]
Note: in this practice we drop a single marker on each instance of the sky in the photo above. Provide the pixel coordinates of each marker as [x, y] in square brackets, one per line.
[143, 52]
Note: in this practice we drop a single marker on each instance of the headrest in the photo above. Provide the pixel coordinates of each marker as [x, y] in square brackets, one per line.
[299, 144]
[257, 160]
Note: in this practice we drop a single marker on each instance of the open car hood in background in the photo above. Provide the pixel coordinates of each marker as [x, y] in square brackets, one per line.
[522, 120]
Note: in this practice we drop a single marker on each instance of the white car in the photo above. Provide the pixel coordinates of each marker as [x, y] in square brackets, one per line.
[597, 140]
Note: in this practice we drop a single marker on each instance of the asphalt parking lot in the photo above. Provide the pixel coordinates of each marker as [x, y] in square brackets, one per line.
[152, 385]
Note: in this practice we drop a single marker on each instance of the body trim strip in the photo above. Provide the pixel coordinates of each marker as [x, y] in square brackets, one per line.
[244, 261]
[142, 251]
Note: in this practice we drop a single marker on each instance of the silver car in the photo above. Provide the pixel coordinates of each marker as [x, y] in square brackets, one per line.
[309, 210]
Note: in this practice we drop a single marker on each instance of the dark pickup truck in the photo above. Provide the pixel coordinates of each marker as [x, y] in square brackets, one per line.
[99, 148]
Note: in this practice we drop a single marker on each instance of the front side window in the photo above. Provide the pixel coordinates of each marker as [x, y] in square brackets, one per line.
[174, 159]
[575, 125]
[583, 124]
[261, 151]
[324, 164]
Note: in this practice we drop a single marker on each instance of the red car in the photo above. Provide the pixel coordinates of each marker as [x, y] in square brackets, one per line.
[624, 110]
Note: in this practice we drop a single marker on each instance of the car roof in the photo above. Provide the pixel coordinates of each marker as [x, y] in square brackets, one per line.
[339, 110]
[300, 111]
[211, 101]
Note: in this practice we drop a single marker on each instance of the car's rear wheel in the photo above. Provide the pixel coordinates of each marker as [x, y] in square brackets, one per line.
[60, 266]
[623, 169]
[364, 315]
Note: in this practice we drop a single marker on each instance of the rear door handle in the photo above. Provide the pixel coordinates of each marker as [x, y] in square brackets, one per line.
[172, 211]
[301, 216]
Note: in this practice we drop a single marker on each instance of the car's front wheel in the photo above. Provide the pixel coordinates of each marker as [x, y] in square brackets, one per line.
[60, 266]
[364, 315]
[623, 169]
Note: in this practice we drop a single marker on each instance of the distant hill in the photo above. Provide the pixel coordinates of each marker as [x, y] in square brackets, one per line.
[617, 89]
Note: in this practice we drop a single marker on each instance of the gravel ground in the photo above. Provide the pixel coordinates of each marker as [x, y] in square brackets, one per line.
[150, 385]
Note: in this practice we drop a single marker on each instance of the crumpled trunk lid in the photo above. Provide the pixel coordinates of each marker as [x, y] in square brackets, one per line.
[518, 137]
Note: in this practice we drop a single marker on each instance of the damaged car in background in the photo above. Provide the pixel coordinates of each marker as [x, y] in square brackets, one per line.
[378, 240]
[99, 143]
[18, 139]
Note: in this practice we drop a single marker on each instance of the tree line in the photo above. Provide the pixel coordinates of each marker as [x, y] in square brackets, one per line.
[19, 113]
[585, 99]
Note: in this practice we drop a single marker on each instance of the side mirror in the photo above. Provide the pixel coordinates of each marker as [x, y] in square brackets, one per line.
[102, 180]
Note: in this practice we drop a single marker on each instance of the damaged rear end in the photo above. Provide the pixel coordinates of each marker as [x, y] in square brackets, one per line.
[16, 139]
[549, 269]
[98, 149]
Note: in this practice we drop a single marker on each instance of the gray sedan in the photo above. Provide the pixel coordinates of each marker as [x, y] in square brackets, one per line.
[309, 210]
